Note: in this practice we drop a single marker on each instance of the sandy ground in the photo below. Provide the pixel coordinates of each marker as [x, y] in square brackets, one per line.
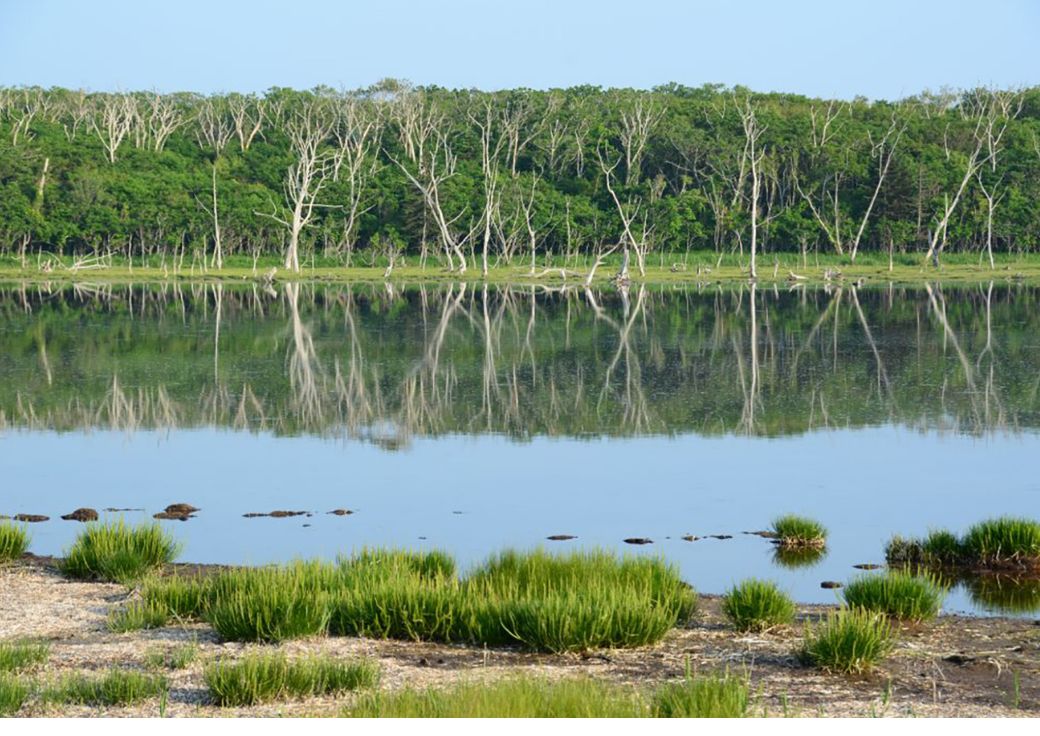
[955, 666]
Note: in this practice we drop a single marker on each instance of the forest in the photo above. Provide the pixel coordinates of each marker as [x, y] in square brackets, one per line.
[466, 179]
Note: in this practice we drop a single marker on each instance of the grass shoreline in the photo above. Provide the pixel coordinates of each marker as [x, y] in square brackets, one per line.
[693, 268]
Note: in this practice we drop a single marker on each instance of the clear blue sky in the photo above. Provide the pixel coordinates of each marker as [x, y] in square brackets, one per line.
[876, 48]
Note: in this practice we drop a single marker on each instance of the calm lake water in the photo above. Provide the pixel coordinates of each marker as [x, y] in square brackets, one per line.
[472, 419]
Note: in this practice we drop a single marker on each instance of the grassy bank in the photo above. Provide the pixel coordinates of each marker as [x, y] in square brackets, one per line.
[668, 268]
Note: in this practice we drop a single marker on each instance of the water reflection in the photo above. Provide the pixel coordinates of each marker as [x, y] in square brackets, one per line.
[383, 364]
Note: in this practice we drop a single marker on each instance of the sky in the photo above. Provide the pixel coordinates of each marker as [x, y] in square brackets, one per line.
[879, 49]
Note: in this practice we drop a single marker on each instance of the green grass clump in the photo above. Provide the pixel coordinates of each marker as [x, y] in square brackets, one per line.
[941, 547]
[14, 541]
[1003, 540]
[901, 595]
[516, 697]
[180, 597]
[116, 687]
[173, 658]
[546, 602]
[22, 654]
[135, 616]
[757, 605]
[702, 697]
[13, 693]
[263, 677]
[799, 531]
[579, 601]
[849, 641]
[118, 553]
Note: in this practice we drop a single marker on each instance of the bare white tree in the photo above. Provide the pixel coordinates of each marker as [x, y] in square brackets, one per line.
[637, 124]
[491, 145]
[754, 154]
[115, 116]
[308, 129]
[214, 131]
[356, 133]
[248, 113]
[164, 117]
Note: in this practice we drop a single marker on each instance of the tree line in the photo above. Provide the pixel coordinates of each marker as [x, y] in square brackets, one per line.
[470, 179]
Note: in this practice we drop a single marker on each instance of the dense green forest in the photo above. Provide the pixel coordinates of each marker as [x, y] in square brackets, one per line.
[470, 179]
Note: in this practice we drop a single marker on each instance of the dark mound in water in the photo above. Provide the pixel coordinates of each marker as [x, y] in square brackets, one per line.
[341, 512]
[177, 512]
[275, 514]
[560, 537]
[638, 540]
[81, 514]
[31, 518]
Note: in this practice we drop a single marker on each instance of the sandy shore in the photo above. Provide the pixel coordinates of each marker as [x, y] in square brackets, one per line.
[955, 666]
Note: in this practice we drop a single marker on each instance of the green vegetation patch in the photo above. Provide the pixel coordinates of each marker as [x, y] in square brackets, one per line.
[259, 678]
[545, 602]
[901, 595]
[116, 687]
[13, 694]
[799, 531]
[515, 697]
[22, 654]
[135, 616]
[173, 658]
[14, 541]
[1001, 543]
[119, 553]
[849, 641]
[757, 605]
[723, 696]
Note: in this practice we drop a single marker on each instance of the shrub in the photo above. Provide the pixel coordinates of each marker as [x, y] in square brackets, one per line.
[20, 655]
[118, 553]
[850, 641]
[900, 595]
[702, 697]
[117, 687]
[757, 605]
[262, 677]
[799, 531]
[180, 597]
[14, 541]
[516, 697]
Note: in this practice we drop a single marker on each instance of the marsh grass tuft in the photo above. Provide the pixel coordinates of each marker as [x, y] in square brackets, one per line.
[799, 531]
[1001, 543]
[135, 616]
[515, 697]
[717, 696]
[794, 558]
[849, 641]
[13, 694]
[118, 553]
[22, 654]
[901, 595]
[757, 605]
[14, 541]
[543, 601]
[1003, 540]
[116, 687]
[258, 678]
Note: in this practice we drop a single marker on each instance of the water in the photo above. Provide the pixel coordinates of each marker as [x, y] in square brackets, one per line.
[471, 420]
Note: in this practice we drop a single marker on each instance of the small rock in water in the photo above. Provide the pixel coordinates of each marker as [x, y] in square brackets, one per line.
[31, 518]
[560, 537]
[638, 540]
[721, 536]
[830, 584]
[690, 538]
[867, 566]
[764, 534]
[110, 509]
[423, 538]
[274, 514]
[341, 512]
[83, 514]
[306, 525]
[458, 513]
[180, 508]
